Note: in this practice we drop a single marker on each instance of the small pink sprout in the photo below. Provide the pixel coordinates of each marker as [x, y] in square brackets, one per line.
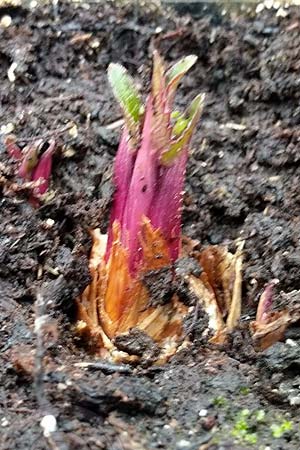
[35, 163]
[266, 301]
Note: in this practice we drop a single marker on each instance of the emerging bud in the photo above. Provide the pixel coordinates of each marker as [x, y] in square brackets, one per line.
[35, 164]
[151, 160]
[42, 171]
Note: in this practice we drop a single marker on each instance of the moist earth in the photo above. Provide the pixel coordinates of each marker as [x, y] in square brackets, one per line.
[242, 181]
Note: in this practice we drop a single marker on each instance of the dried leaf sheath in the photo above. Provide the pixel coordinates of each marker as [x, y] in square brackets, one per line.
[113, 305]
[219, 288]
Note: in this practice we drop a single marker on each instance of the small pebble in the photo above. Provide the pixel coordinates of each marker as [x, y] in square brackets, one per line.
[7, 129]
[182, 444]
[295, 401]
[48, 423]
[95, 43]
[50, 223]
[4, 422]
[208, 422]
[11, 72]
[5, 21]
[260, 7]
[291, 343]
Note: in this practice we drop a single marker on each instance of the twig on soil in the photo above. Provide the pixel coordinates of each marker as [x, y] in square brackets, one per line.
[105, 367]
[113, 125]
[172, 34]
[65, 98]
[48, 422]
[40, 320]
[49, 134]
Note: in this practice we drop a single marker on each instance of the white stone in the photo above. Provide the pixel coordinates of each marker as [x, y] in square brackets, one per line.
[11, 72]
[260, 7]
[8, 128]
[49, 424]
[50, 222]
[183, 444]
[291, 343]
[4, 422]
[295, 401]
[5, 21]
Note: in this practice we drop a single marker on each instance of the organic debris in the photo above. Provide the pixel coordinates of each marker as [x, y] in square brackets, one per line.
[219, 288]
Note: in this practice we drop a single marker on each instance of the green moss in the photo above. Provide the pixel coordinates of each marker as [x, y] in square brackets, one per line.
[260, 415]
[243, 429]
[244, 390]
[219, 401]
[250, 427]
[278, 430]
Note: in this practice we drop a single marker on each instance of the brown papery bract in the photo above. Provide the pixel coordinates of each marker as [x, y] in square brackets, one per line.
[116, 302]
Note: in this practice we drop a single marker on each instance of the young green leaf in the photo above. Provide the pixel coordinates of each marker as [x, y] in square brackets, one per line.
[180, 125]
[125, 90]
[127, 94]
[186, 127]
[176, 73]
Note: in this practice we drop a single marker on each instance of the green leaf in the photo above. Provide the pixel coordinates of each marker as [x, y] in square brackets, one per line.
[127, 94]
[176, 114]
[179, 143]
[180, 125]
[177, 72]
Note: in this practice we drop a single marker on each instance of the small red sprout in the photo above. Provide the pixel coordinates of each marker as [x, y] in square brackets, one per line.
[35, 164]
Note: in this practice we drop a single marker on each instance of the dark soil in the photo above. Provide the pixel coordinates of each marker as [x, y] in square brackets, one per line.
[243, 180]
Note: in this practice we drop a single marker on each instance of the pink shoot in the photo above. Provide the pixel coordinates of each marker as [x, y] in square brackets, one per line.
[145, 224]
[266, 301]
[150, 164]
[42, 171]
[35, 164]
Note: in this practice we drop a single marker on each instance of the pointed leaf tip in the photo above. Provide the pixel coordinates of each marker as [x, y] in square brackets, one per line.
[175, 74]
[125, 91]
[181, 67]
